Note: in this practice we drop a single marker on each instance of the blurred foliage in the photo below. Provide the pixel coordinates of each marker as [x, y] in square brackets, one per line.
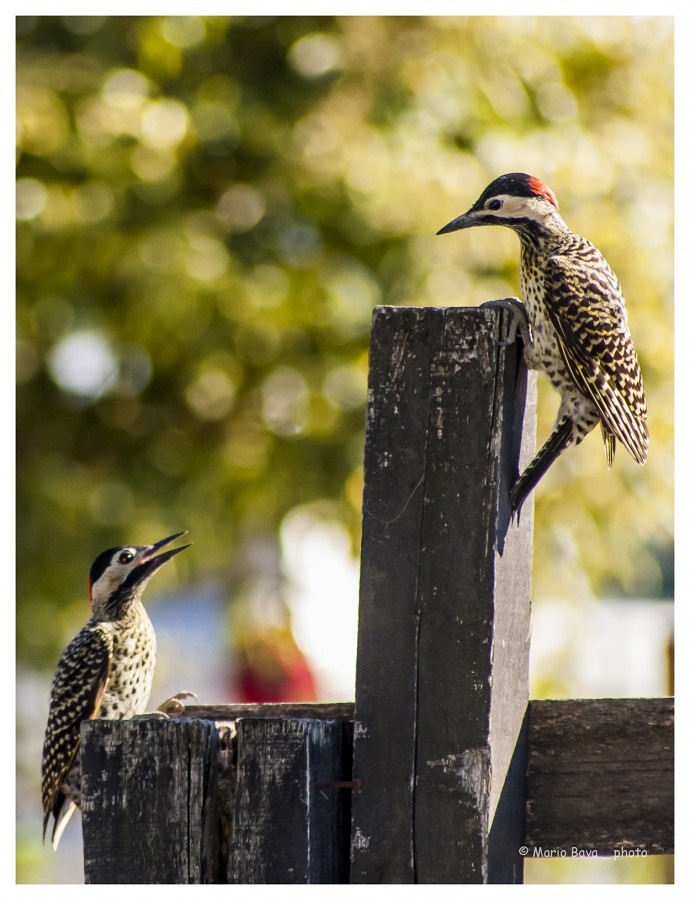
[209, 208]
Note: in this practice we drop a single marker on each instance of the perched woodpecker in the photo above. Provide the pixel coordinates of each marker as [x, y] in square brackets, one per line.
[104, 673]
[573, 323]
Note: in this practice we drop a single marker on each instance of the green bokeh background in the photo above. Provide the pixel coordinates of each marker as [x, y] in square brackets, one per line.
[211, 206]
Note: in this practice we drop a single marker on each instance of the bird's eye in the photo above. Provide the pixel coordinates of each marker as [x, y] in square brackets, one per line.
[494, 204]
[125, 557]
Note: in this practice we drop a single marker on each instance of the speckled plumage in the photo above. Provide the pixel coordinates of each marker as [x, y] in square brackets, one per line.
[105, 672]
[578, 326]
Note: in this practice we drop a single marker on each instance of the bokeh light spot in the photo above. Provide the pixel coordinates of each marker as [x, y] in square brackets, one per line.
[31, 198]
[164, 123]
[241, 207]
[314, 55]
[83, 364]
[285, 402]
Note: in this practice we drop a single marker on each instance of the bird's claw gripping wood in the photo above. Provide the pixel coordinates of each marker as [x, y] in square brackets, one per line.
[518, 319]
[574, 325]
[173, 707]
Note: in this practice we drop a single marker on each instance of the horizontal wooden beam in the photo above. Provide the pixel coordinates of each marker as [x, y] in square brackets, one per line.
[599, 773]
[159, 795]
[600, 776]
[232, 711]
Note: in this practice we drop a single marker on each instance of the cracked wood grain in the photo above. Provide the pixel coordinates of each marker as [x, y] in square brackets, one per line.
[444, 602]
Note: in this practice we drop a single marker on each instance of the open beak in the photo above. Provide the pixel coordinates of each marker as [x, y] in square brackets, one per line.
[463, 221]
[150, 563]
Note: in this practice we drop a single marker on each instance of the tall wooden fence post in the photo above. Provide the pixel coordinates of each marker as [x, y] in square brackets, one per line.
[443, 647]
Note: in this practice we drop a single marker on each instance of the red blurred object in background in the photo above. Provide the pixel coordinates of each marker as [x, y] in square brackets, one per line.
[271, 668]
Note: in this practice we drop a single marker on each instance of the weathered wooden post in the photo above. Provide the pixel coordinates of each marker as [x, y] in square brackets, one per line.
[443, 645]
[154, 797]
[287, 822]
[244, 794]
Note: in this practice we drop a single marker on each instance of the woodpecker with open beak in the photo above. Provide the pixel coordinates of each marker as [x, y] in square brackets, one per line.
[104, 673]
[573, 323]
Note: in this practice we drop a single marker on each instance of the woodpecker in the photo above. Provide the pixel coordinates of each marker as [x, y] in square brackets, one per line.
[573, 323]
[104, 673]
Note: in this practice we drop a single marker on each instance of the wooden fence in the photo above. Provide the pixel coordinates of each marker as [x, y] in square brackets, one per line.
[442, 771]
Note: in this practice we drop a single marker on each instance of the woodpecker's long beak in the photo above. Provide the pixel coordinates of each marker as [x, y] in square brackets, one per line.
[150, 563]
[464, 221]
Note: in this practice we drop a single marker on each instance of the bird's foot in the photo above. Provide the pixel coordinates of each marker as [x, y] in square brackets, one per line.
[518, 319]
[173, 706]
[516, 498]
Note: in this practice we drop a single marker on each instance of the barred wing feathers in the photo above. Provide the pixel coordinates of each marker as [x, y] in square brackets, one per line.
[75, 695]
[587, 310]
